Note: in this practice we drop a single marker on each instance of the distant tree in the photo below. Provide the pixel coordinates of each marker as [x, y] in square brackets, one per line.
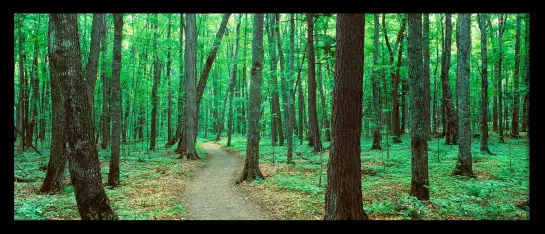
[501, 29]
[516, 97]
[463, 44]
[343, 193]
[251, 169]
[484, 85]
[291, 92]
[233, 80]
[451, 131]
[426, 73]
[377, 110]
[314, 137]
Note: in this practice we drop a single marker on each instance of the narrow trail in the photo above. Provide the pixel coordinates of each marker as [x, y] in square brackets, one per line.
[211, 196]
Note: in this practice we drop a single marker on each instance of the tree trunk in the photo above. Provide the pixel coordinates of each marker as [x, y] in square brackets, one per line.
[343, 193]
[156, 78]
[276, 116]
[314, 139]
[251, 169]
[502, 19]
[54, 177]
[426, 75]
[113, 175]
[97, 38]
[233, 80]
[395, 76]
[463, 44]
[105, 101]
[291, 103]
[450, 114]
[377, 110]
[417, 86]
[282, 80]
[22, 81]
[525, 108]
[169, 62]
[191, 113]
[484, 85]
[515, 118]
[84, 164]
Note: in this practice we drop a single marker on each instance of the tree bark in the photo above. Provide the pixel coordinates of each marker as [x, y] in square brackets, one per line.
[191, 113]
[233, 80]
[113, 175]
[22, 81]
[515, 118]
[156, 78]
[91, 69]
[84, 164]
[54, 177]
[451, 131]
[484, 85]
[377, 110]
[251, 169]
[463, 43]
[417, 86]
[426, 75]
[314, 137]
[343, 193]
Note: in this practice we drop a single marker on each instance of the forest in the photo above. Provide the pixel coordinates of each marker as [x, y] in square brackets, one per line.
[274, 116]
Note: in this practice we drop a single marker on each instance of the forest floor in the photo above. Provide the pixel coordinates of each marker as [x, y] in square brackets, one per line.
[151, 185]
[211, 196]
[156, 185]
[500, 190]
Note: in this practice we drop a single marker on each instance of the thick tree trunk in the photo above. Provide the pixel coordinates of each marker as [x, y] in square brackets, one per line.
[419, 134]
[191, 113]
[484, 85]
[113, 175]
[451, 129]
[314, 139]
[251, 169]
[377, 110]
[343, 193]
[463, 43]
[515, 118]
[84, 164]
[54, 177]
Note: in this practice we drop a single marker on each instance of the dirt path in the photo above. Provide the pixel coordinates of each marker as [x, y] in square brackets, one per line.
[211, 196]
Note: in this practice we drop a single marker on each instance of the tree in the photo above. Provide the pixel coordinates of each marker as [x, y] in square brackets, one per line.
[515, 118]
[291, 102]
[156, 78]
[97, 39]
[419, 134]
[525, 109]
[22, 80]
[251, 169]
[343, 193]
[106, 92]
[54, 177]
[463, 44]
[84, 164]
[191, 113]
[502, 19]
[233, 80]
[276, 116]
[377, 138]
[451, 131]
[484, 85]
[395, 75]
[169, 64]
[314, 137]
[426, 73]
[113, 176]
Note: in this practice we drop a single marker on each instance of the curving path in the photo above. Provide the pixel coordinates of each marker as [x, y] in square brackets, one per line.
[211, 196]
